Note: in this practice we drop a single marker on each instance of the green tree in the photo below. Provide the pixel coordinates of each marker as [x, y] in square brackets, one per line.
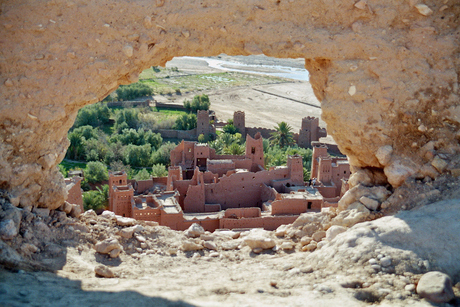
[138, 156]
[159, 170]
[283, 135]
[126, 118]
[76, 148]
[162, 155]
[94, 115]
[143, 174]
[96, 172]
[185, 122]
[229, 128]
[132, 91]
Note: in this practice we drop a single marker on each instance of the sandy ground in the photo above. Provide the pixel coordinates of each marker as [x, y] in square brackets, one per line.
[262, 109]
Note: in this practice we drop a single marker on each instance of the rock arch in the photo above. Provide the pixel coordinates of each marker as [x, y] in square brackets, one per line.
[385, 71]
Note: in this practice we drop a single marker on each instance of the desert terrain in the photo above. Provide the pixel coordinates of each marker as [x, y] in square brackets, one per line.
[288, 100]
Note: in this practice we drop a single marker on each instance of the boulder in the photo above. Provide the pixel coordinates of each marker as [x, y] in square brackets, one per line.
[107, 214]
[370, 203]
[128, 232]
[106, 246]
[259, 238]
[103, 271]
[125, 221]
[435, 287]
[194, 231]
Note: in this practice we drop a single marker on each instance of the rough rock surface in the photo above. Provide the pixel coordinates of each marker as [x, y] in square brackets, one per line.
[386, 72]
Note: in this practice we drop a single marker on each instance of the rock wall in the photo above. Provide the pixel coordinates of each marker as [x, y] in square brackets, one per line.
[385, 71]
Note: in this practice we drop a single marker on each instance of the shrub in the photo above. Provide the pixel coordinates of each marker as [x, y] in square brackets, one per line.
[94, 115]
[229, 128]
[159, 170]
[96, 172]
[138, 156]
[185, 122]
[143, 174]
[132, 91]
[162, 155]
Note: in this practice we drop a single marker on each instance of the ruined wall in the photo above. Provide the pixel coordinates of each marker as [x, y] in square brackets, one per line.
[386, 72]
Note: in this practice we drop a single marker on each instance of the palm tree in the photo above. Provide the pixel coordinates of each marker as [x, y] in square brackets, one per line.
[283, 135]
[234, 149]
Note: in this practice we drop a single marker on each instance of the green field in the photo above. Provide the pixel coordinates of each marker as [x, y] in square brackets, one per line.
[168, 82]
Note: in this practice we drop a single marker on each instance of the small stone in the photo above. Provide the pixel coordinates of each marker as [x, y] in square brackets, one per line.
[194, 231]
[352, 90]
[148, 22]
[436, 287]
[439, 164]
[384, 154]
[385, 261]
[76, 211]
[66, 207]
[273, 284]
[128, 50]
[410, 287]
[310, 247]
[8, 83]
[42, 212]
[281, 231]
[259, 238]
[186, 34]
[140, 238]
[361, 4]
[191, 246]
[422, 128]
[210, 245]
[28, 248]
[214, 255]
[305, 240]
[104, 247]
[257, 250]
[370, 203]
[144, 245]
[125, 221]
[372, 261]
[424, 9]
[307, 269]
[319, 235]
[103, 271]
[114, 253]
[376, 267]
[287, 246]
[8, 229]
[151, 223]
[107, 214]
